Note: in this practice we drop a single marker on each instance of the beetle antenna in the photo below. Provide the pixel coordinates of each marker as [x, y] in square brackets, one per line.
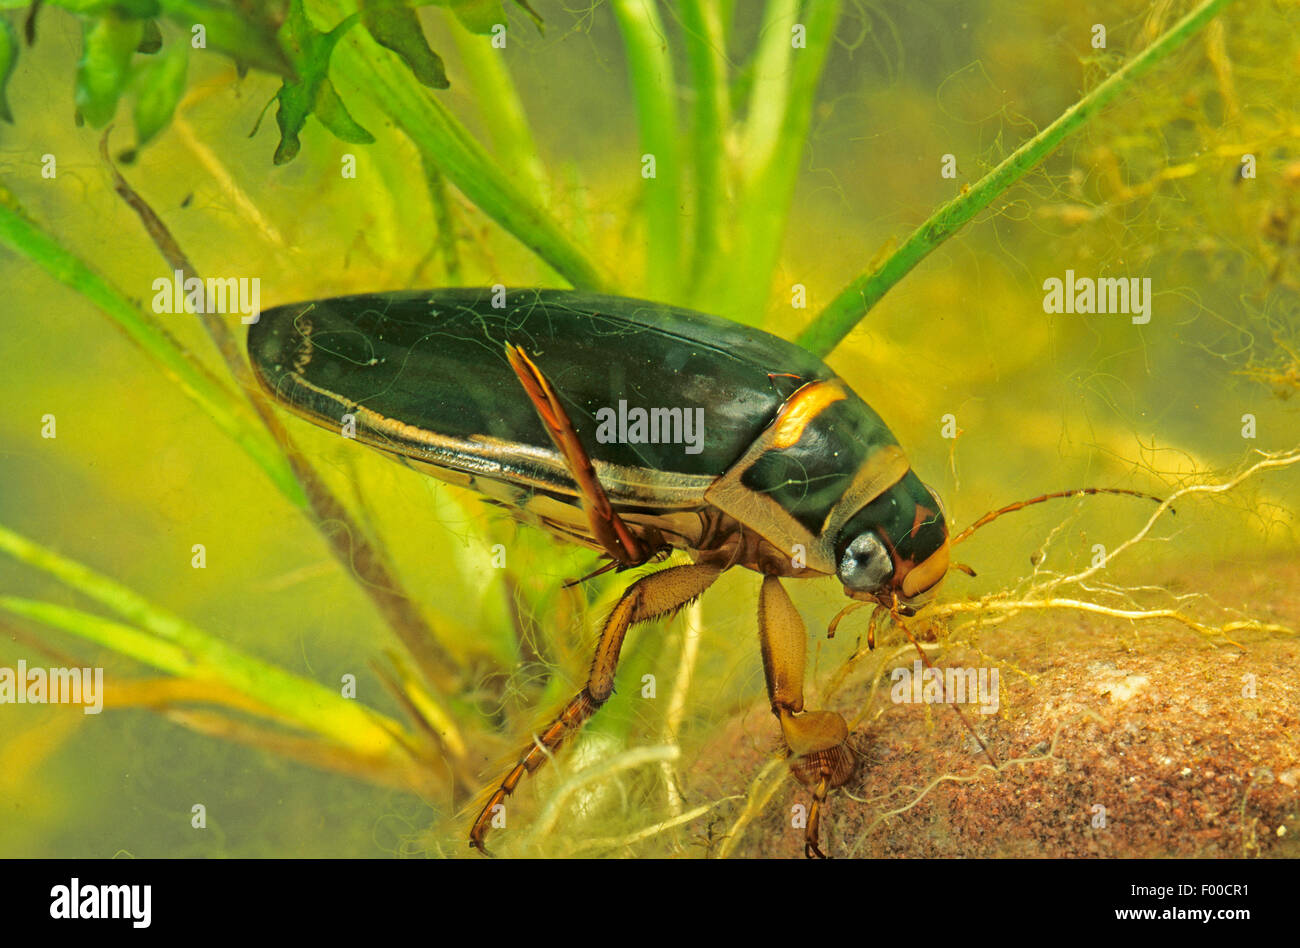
[1078, 492]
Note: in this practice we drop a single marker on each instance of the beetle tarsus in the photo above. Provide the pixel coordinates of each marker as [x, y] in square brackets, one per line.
[811, 848]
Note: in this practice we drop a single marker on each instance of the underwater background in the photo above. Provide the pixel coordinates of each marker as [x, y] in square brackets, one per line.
[813, 195]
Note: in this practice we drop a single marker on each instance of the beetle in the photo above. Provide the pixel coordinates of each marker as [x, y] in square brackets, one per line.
[512, 395]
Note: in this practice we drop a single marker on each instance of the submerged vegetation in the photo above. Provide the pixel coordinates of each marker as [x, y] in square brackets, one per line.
[785, 164]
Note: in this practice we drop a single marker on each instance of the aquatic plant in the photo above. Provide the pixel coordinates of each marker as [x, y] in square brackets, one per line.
[729, 106]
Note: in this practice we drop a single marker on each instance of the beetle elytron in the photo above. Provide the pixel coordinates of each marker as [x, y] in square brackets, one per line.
[795, 468]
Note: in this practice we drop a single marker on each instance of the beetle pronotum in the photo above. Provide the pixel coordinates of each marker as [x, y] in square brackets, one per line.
[505, 400]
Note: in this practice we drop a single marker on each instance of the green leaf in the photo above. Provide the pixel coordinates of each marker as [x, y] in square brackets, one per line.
[310, 52]
[8, 59]
[152, 41]
[135, 9]
[394, 25]
[105, 66]
[161, 83]
[478, 16]
[537, 17]
[127, 9]
[334, 115]
[246, 36]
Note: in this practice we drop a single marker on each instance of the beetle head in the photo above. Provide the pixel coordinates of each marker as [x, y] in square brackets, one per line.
[896, 547]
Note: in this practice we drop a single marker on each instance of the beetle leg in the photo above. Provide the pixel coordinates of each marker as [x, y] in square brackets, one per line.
[613, 533]
[810, 848]
[819, 756]
[649, 597]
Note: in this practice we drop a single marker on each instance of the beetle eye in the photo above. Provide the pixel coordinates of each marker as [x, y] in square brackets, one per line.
[865, 565]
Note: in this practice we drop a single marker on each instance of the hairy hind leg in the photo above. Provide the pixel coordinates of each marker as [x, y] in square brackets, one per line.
[649, 597]
[819, 756]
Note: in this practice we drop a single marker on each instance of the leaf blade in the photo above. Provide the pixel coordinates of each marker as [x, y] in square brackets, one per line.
[395, 25]
[161, 85]
[102, 73]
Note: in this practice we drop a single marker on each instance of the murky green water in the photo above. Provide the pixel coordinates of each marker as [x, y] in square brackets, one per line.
[994, 398]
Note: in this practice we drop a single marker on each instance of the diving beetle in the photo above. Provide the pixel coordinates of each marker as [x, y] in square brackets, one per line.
[505, 393]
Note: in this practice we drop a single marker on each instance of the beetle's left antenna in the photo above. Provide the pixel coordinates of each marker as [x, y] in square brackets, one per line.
[1078, 492]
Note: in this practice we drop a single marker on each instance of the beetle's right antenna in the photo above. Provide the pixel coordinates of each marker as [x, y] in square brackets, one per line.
[1020, 505]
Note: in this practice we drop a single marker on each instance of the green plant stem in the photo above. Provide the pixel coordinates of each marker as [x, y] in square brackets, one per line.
[381, 76]
[726, 18]
[123, 639]
[844, 312]
[442, 221]
[219, 403]
[770, 92]
[780, 112]
[176, 646]
[707, 55]
[501, 110]
[650, 71]
[358, 551]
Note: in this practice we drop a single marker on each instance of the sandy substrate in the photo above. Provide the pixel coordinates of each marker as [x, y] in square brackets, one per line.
[1114, 739]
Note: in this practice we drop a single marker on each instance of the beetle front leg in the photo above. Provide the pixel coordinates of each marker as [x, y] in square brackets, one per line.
[650, 597]
[819, 756]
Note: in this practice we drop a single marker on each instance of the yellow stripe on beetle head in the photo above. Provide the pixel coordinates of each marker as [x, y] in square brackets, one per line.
[801, 408]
